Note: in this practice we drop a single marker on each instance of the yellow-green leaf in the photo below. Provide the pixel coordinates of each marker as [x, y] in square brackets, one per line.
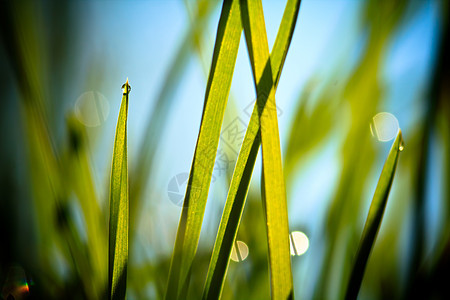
[246, 160]
[218, 87]
[118, 215]
[272, 180]
[374, 218]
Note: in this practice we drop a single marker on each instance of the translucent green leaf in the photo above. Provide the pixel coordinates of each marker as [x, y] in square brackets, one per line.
[272, 183]
[118, 215]
[246, 160]
[374, 218]
[218, 87]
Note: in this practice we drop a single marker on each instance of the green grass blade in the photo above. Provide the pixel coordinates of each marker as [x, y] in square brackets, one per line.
[232, 212]
[283, 40]
[272, 185]
[374, 218]
[118, 218]
[240, 181]
[218, 87]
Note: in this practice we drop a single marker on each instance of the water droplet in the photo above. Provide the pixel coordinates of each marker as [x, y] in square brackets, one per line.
[384, 126]
[299, 243]
[123, 88]
[401, 146]
[239, 252]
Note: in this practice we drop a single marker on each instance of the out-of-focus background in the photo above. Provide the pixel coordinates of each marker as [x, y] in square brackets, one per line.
[356, 71]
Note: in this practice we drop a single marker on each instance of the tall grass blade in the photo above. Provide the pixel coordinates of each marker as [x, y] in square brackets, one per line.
[218, 87]
[374, 218]
[272, 183]
[240, 181]
[118, 215]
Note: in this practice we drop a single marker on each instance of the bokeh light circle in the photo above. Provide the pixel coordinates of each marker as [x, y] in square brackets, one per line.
[92, 109]
[239, 251]
[384, 126]
[299, 243]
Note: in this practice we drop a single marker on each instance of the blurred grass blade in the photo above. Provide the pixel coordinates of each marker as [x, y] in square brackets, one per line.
[237, 192]
[356, 157]
[118, 218]
[272, 185]
[374, 218]
[80, 180]
[218, 87]
[316, 125]
[23, 49]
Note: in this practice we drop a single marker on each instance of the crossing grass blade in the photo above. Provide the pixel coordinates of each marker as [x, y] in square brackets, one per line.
[374, 218]
[240, 181]
[272, 182]
[218, 87]
[118, 217]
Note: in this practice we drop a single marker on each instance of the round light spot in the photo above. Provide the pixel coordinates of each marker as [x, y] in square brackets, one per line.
[384, 126]
[239, 251]
[92, 109]
[299, 243]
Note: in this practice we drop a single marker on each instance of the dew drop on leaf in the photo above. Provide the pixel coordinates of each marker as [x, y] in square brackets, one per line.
[123, 88]
[401, 146]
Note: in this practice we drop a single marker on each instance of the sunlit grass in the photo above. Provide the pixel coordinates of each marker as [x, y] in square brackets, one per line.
[373, 221]
[119, 206]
